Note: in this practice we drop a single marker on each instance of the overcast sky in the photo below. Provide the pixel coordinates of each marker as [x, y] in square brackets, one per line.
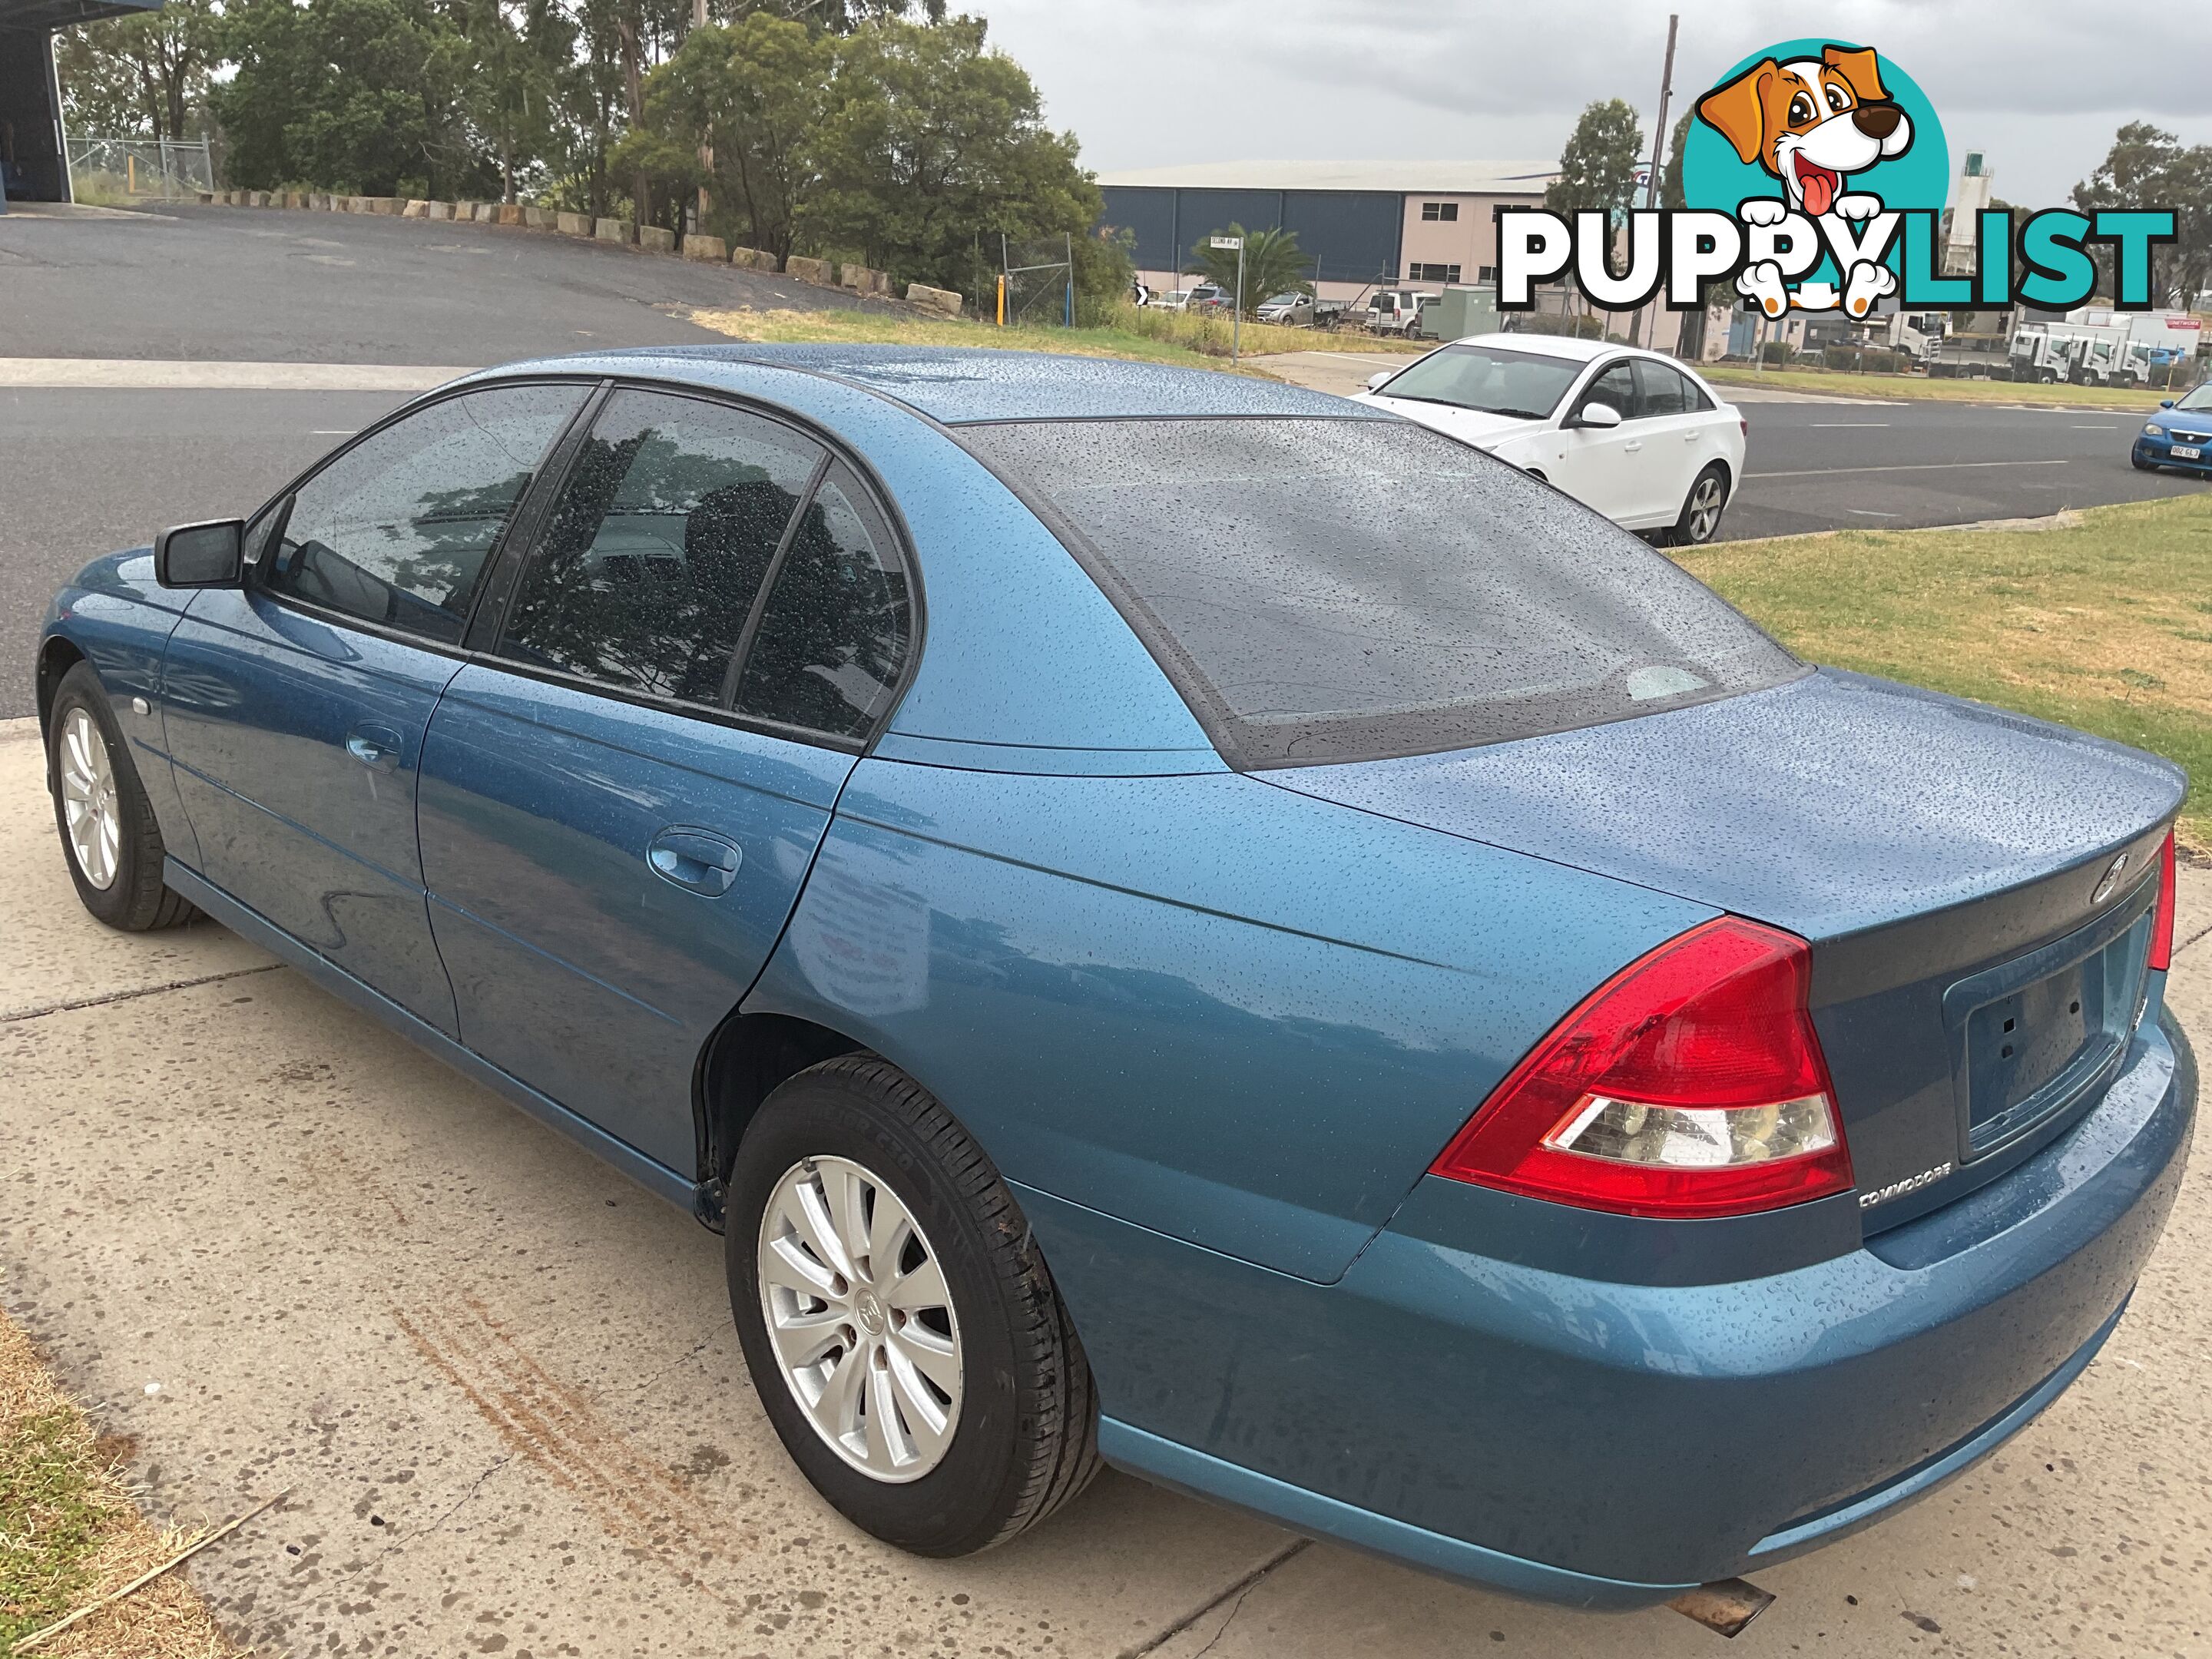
[2039, 85]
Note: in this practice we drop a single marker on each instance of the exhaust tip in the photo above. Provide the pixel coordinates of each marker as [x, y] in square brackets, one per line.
[1727, 1605]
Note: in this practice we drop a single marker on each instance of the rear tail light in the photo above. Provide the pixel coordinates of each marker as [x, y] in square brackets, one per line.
[2162, 927]
[1744, 422]
[1690, 1084]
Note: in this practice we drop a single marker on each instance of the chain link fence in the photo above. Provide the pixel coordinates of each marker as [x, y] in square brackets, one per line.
[124, 170]
[1039, 282]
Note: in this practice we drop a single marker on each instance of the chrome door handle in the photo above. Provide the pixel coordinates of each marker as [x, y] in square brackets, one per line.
[698, 859]
[375, 747]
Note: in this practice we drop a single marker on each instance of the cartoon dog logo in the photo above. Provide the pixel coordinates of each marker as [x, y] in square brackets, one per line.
[1812, 122]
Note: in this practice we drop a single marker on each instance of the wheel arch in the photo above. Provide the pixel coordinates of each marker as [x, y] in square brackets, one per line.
[744, 1061]
[57, 654]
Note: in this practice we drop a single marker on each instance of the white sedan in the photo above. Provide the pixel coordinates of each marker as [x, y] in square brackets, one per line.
[1633, 434]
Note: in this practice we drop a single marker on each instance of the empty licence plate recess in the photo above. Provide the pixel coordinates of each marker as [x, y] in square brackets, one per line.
[2039, 1033]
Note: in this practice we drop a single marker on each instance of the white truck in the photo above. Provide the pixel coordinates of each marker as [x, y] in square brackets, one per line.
[1948, 344]
[2038, 354]
[1973, 345]
[2098, 346]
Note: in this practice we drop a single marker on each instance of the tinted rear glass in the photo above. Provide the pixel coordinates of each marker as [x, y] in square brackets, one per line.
[1334, 590]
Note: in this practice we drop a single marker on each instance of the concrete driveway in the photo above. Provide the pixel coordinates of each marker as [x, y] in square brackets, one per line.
[277, 1248]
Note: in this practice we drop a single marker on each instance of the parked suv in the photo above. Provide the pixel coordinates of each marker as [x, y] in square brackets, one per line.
[1398, 311]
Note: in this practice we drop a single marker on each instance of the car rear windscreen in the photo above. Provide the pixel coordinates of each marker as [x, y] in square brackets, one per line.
[1326, 590]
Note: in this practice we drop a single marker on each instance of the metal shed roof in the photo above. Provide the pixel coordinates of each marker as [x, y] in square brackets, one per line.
[1406, 178]
[60, 13]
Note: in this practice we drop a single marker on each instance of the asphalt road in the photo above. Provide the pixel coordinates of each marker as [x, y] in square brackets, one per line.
[88, 471]
[92, 471]
[1839, 466]
[249, 284]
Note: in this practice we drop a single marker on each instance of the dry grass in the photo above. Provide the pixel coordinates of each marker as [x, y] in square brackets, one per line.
[1919, 388]
[2104, 623]
[1209, 332]
[1145, 336]
[69, 1534]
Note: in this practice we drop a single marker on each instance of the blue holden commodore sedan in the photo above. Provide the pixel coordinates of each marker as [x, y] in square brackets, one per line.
[1176, 922]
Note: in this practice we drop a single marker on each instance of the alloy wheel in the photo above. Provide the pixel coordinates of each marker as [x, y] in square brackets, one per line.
[861, 1318]
[89, 806]
[1706, 503]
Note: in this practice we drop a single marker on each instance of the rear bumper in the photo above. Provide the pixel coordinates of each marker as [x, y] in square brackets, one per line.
[1607, 1443]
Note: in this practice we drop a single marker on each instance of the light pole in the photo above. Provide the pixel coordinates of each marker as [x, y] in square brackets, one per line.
[1236, 300]
[1649, 319]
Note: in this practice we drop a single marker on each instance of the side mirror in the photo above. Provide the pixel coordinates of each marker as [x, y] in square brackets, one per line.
[1374, 382]
[210, 554]
[1603, 417]
[2166, 403]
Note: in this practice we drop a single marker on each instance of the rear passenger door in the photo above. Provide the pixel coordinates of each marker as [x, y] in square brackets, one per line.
[1684, 436]
[623, 793]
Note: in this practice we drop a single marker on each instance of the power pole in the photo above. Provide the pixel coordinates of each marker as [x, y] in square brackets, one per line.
[1658, 144]
[705, 151]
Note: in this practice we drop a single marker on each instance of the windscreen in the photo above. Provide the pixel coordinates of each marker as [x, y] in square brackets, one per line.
[1487, 378]
[2200, 399]
[1333, 590]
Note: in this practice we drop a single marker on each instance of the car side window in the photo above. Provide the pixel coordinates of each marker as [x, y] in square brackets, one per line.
[398, 529]
[1616, 386]
[655, 553]
[832, 635]
[1667, 391]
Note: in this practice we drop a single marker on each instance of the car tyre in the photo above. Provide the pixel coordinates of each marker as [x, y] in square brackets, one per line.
[2141, 466]
[1019, 1423]
[110, 838]
[1700, 519]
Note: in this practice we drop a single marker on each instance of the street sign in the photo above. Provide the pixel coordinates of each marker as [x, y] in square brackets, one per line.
[1230, 244]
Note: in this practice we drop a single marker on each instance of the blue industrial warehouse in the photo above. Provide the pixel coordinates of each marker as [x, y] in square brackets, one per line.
[1359, 223]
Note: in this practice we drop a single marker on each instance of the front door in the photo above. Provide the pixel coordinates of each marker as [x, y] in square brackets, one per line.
[1601, 465]
[617, 811]
[296, 706]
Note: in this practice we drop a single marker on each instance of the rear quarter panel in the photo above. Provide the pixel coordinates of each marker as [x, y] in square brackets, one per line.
[1222, 1011]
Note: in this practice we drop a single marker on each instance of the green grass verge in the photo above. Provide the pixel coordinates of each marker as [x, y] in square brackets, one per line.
[1142, 335]
[51, 1521]
[1918, 388]
[2106, 624]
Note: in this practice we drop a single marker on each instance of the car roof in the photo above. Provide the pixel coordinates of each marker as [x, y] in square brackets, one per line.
[953, 385]
[1570, 348]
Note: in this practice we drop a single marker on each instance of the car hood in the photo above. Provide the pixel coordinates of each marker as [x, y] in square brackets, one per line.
[1471, 426]
[1830, 804]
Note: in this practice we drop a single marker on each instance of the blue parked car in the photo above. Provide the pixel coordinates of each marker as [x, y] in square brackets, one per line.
[1175, 920]
[2179, 435]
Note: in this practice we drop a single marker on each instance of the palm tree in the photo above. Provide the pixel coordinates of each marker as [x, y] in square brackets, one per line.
[1273, 265]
